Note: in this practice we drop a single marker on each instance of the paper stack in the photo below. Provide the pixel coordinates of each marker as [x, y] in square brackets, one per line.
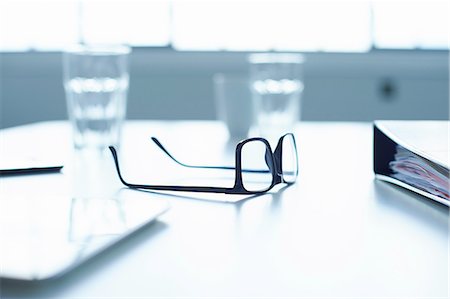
[414, 155]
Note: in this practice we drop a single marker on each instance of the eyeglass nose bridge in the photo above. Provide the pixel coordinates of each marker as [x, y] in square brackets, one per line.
[278, 172]
[277, 165]
[278, 178]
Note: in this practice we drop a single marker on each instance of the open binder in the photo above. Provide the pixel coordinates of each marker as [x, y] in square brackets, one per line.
[414, 155]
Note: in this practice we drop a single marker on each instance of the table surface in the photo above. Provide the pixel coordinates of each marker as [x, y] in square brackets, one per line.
[337, 232]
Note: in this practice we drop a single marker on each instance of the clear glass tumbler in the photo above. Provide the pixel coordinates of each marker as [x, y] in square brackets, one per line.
[96, 83]
[233, 103]
[276, 82]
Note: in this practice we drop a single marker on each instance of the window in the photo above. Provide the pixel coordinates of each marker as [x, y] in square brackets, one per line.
[43, 25]
[412, 24]
[273, 25]
[211, 25]
[135, 22]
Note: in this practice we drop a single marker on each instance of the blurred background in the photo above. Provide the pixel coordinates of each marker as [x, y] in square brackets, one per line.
[365, 60]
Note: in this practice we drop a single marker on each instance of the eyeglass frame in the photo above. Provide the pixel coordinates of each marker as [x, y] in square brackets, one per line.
[275, 168]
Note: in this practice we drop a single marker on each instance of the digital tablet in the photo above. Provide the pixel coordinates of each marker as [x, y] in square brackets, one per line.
[14, 165]
[43, 238]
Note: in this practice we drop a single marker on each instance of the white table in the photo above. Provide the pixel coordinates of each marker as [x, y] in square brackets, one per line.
[336, 233]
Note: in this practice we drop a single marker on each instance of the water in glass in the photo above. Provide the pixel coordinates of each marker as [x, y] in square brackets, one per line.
[97, 108]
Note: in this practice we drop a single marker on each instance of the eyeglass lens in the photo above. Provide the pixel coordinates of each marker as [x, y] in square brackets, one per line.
[289, 161]
[254, 155]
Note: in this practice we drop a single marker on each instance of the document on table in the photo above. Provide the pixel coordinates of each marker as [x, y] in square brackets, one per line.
[421, 173]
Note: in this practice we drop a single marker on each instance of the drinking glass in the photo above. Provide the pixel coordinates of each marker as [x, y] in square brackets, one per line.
[233, 103]
[96, 84]
[276, 83]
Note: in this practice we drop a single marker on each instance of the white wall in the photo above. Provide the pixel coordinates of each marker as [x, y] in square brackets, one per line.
[178, 85]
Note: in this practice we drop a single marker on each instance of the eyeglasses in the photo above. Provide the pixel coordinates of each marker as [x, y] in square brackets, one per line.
[257, 168]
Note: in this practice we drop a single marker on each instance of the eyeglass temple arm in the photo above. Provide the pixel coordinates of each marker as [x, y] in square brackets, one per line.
[165, 187]
[158, 143]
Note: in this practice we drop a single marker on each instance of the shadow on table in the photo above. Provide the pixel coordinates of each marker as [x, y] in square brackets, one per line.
[235, 200]
[414, 205]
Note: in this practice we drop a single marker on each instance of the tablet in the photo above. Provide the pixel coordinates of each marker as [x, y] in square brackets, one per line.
[15, 165]
[43, 238]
